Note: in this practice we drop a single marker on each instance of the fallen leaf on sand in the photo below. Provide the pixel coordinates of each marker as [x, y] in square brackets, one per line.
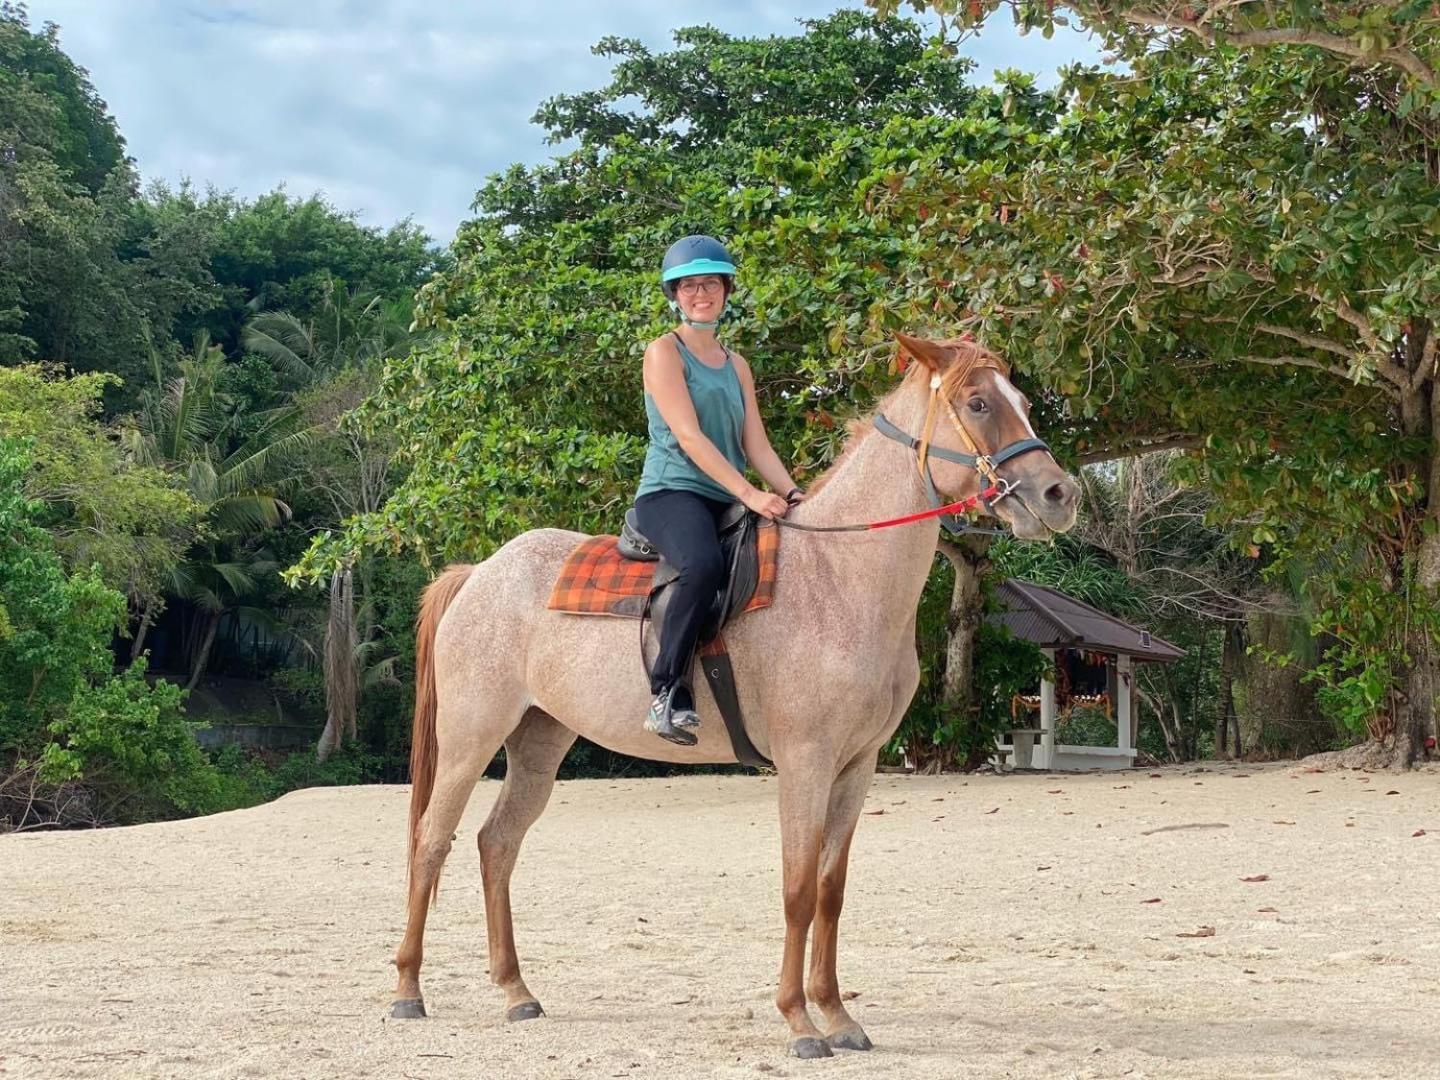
[1313, 791]
[1269, 910]
[1256, 877]
[849, 995]
[995, 811]
[1418, 832]
[1152, 900]
[875, 813]
[1282, 823]
[1392, 792]
[1203, 931]
[1057, 791]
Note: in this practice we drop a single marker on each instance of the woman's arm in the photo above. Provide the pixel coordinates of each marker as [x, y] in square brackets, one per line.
[664, 374]
[755, 440]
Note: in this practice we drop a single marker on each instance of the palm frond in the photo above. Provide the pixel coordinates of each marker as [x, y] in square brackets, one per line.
[247, 512]
[285, 341]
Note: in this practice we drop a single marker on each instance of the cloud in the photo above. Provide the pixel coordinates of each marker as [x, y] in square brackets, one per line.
[392, 108]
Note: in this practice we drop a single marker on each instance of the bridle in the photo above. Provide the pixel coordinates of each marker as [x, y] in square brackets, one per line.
[987, 465]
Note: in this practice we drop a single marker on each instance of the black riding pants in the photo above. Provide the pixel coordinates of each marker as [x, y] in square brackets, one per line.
[684, 527]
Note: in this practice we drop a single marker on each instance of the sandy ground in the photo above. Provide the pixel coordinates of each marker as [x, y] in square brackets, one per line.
[1020, 926]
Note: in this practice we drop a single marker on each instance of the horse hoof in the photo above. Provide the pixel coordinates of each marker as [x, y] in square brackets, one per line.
[808, 1046]
[526, 1010]
[850, 1039]
[408, 1009]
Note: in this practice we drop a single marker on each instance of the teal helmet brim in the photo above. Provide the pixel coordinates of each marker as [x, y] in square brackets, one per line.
[696, 267]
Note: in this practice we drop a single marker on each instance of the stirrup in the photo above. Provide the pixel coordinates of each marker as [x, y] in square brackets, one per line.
[661, 720]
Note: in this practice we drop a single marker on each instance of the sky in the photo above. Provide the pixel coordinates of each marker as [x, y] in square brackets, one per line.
[392, 108]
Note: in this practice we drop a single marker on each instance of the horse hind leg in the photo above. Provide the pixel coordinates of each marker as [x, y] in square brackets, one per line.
[467, 745]
[533, 754]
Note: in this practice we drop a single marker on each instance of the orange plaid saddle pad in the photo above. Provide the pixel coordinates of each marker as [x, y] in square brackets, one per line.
[597, 580]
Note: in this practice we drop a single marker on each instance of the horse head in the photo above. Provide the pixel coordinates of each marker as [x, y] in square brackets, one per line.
[975, 412]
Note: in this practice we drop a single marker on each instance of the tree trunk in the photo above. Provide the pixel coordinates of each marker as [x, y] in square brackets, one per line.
[147, 617]
[1278, 714]
[342, 681]
[202, 654]
[1225, 698]
[1411, 718]
[968, 557]
[1171, 728]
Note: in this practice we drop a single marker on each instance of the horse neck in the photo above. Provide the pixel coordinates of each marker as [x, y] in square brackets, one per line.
[875, 481]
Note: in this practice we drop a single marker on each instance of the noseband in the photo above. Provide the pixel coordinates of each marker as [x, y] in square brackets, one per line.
[984, 464]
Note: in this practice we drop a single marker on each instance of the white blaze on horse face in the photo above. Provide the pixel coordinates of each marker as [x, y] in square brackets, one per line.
[1014, 397]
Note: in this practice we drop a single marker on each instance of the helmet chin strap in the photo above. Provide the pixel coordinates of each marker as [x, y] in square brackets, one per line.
[696, 323]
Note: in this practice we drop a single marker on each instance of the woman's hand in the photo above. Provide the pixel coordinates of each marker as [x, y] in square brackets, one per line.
[795, 496]
[765, 503]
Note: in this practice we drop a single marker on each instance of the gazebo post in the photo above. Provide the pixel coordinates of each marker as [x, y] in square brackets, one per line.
[1123, 706]
[1047, 717]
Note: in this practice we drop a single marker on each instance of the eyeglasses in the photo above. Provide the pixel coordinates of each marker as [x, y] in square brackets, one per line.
[690, 286]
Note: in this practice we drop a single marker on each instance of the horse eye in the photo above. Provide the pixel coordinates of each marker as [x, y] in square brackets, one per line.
[977, 405]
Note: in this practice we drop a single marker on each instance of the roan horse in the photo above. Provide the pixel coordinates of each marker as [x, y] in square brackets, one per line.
[825, 674]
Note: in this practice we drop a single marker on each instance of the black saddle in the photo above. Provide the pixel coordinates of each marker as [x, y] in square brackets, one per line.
[737, 549]
[740, 552]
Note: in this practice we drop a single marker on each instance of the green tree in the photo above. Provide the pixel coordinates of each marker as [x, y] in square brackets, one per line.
[333, 362]
[190, 427]
[65, 720]
[101, 507]
[1231, 246]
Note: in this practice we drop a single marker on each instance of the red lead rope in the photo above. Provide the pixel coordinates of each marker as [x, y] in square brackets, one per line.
[964, 506]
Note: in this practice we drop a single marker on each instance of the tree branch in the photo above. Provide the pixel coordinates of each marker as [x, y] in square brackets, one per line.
[1166, 442]
[1402, 58]
[1314, 341]
[1296, 361]
[1398, 376]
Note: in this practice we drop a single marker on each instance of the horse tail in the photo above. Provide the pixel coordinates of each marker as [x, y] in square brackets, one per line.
[437, 597]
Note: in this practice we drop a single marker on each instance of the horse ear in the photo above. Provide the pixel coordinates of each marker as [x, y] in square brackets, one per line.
[930, 353]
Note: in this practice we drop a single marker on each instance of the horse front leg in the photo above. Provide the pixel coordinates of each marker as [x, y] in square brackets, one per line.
[804, 797]
[847, 797]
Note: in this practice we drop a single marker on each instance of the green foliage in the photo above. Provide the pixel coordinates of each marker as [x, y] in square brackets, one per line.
[55, 626]
[130, 742]
[278, 253]
[345, 766]
[123, 738]
[48, 104]
[101, 506]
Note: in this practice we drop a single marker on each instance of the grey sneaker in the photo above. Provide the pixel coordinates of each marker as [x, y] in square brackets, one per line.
[668, 722]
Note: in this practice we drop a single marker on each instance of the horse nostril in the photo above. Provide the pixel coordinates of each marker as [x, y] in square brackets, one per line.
[1060, 494]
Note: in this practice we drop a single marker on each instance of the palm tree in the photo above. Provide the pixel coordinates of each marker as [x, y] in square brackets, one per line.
[331, 361]
[189, 426]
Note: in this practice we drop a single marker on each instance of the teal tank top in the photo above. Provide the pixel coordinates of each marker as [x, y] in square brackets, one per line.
[720, 407]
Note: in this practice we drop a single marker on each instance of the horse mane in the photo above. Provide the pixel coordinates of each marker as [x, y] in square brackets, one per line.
[858, 430]
[970, 356]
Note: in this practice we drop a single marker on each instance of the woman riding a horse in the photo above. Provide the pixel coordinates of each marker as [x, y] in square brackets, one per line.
[705, 427]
